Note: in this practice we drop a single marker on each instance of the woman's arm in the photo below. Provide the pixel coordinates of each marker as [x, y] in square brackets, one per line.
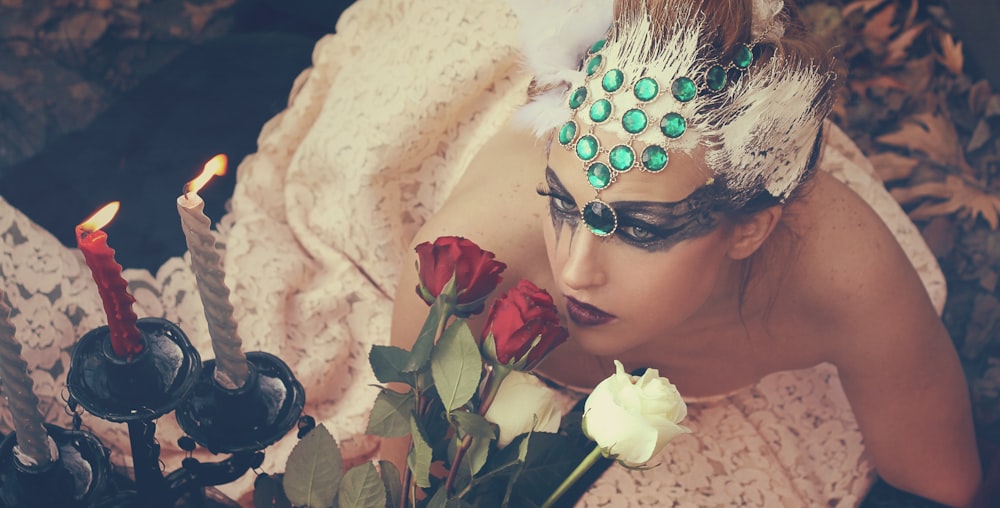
[902, 377]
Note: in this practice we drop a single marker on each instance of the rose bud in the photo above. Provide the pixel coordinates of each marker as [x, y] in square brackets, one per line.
[632, 418]
[522, 328]
[475, 270]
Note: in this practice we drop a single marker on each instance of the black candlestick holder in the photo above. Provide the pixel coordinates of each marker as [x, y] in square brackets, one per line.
[248, 418]
[136, 391]
[168, 375]
[77, 479]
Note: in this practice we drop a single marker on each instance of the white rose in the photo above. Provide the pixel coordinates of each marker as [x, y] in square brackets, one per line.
[520, 398]
[631, 418]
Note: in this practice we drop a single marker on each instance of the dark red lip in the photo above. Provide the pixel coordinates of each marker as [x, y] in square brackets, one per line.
[586, 315]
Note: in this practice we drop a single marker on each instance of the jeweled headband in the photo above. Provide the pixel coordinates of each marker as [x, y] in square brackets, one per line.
[629, 100]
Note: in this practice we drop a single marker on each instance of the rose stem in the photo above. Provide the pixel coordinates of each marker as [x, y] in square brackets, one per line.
[581, 468]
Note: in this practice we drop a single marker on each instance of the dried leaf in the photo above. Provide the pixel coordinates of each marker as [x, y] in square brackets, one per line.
[895, 52]
[861, 86]
[992, 106]
[954, 195]
[939, 233]
[979, 94]
[879, 28]
[892, 166]
[951, 54]
[980, 136]
[864, 5]
[911, 15]
[201, 14]
[933, 135]
[917, 74]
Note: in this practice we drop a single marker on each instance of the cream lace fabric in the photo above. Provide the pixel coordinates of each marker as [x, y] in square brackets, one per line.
[374, 137]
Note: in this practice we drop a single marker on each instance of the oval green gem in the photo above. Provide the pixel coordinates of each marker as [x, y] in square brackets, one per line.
[587, 147]
[594, 64]
[715, 78]
[654, 158]
[613, 80]
[634, 121]
[599, 175]
[683, 89]
[579, 95]
[600, 110]
[599, 45]
[600, 218]
[622, 157]
[743, 57]
[673, 125]
[646, 89]
[567, 133]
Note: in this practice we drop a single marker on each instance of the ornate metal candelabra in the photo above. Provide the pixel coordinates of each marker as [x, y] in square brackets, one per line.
[79, 478]
[168, 375]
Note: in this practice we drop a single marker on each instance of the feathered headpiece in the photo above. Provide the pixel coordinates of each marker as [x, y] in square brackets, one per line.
[649, 81]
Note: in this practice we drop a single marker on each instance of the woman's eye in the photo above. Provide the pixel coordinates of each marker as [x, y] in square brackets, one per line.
[562, 205]
[638, 233]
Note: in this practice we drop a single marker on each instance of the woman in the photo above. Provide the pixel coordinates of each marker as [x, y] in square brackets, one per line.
[682, 226]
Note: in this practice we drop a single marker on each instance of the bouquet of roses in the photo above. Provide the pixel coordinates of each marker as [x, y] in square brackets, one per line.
[483, 431]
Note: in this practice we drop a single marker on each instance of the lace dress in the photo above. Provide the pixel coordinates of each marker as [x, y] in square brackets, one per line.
[374, 137]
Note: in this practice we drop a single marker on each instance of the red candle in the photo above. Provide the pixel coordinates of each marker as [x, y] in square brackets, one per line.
[126, 339]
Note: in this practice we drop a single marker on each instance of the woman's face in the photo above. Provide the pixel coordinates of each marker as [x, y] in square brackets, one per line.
[660, 268]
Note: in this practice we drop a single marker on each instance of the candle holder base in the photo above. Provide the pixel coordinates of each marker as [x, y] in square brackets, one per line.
[79, 478]
[145, 387]
[249, 418]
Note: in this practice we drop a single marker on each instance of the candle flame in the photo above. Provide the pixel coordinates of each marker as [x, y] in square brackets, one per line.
[101, 217]
[216, 166]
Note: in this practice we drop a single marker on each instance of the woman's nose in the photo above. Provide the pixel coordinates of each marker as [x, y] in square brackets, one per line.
[583, 266]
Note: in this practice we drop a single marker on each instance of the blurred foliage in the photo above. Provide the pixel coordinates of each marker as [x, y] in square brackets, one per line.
[929, 120]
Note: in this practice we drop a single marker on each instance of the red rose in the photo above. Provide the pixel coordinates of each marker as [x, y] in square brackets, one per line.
[476, 273]
[522, 328]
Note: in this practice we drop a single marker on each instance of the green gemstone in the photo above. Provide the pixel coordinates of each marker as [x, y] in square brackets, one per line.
[646, 89]
[599, 175]
[673, 125]
[743, 57]
[587, 147]
[622, 157]
[600, 218]
[613, 80]
[715, 78]
[654, 158]
[567, 133]
[594, 64]
[683, 89]
[600, 110]
[579, 95]
[599, 45]
[634, 121]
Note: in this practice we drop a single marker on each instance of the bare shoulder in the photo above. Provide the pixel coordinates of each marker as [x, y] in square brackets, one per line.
[893, 354]
[851, 270]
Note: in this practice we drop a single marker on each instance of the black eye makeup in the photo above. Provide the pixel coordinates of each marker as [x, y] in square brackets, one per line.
[647, 225]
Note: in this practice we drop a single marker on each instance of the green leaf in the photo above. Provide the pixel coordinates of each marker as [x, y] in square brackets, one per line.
[388, 362]
[456, 365]
[313, 470]
[268, 493]
[476, 457]
[390, 416]
[419, 459]
[390, 480]
[361, 487]
[472, 423]
[421, 351]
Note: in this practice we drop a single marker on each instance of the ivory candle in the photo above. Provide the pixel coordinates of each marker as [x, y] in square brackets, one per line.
[206, 263]
[34, 447]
